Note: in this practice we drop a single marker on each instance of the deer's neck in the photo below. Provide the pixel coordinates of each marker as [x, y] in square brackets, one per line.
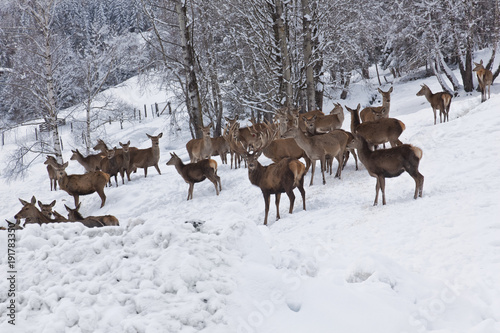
[354, 120]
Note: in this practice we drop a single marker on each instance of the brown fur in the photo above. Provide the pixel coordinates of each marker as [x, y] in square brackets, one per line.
[372, 113]
[379, 131]
[199, 149]
[484, 79]
[47, 210]
[52, 173]
[439, 101]
[90, 163]
[196, 172]
[276, 178]
[390, 163]
[77, 185]
[95, 221]
[144, 158]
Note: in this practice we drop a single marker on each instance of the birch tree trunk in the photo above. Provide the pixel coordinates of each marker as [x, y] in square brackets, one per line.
[285, 57]
[309, 69]
[42, 12]
[193, 94]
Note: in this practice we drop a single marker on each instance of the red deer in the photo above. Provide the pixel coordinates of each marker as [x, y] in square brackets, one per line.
[90, 163]
[200, 149]
[389, 163]
[325, 124]
[379, 131]
[112, 164]
[484, 79]
[196, 172]
[47, 210]
[372, 113]
[220, 147]
[297, 119]
[144, 158]
[276, 178]
[284, 148]
[52, 173]
[439, 101]
[318, 147]
[31, 214]
[76, 185]
[125, 161]
[97, 221]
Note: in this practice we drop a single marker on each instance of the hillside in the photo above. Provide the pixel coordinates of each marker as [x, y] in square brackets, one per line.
[426, 265]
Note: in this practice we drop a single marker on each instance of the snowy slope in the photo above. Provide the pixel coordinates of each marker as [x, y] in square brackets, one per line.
[426, 265]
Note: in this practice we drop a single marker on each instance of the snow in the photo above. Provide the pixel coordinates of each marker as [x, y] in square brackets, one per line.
[426, 265]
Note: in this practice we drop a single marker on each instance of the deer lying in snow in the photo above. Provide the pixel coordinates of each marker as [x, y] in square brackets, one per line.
[31, 214]
[47, 210]
[97, 221]
[196, 172]
[389, 163]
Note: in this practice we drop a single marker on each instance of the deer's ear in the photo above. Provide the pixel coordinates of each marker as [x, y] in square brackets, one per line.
[24, 203]
[160, 135]
[65, 165]
[52, 204]
[33, 200]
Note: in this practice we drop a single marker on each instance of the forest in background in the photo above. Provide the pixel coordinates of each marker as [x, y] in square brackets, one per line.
[228, 57]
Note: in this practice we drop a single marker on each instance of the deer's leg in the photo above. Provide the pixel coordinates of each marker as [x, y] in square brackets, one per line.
[157, 168]
[322, 164]
[267, 198]
[434, 110]
[377, 188]
[102, 196]
[277, 198]
[291, 196]
[302, 193]
[313, 167]
[145, 172]
[382, 188]
[77, 199]
[340, 157]
[190, 191]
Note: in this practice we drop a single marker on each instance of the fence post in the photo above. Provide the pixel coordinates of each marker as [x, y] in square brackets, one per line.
[157, 110]
[36, 134]
[139, 112]
[169, 108]
[145, 111]
[135, 117]
[110, 120]
[121, 121]
[3, 138]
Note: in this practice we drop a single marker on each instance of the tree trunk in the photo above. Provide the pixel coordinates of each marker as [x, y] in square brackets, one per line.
[193, 94]
[285, 58]
[310, 86]
[51, 90]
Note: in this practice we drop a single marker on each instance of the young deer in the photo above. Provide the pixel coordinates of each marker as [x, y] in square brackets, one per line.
[144, 158]
[52, 172]
[76, 185]
[276, 178]
[200, 149]
[46, 210]
[31, 214]
[196, 172]
[96, 221]
[389, 163]
[439, 101]
[372, 113]
[112, 164]
[90, 163]
[378, 131]
[125, 161]
[484, 79]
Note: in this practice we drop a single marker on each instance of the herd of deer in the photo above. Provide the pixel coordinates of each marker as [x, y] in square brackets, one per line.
[312, 136]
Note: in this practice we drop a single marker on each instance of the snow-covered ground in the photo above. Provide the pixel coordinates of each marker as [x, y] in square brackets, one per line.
[426, 265]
